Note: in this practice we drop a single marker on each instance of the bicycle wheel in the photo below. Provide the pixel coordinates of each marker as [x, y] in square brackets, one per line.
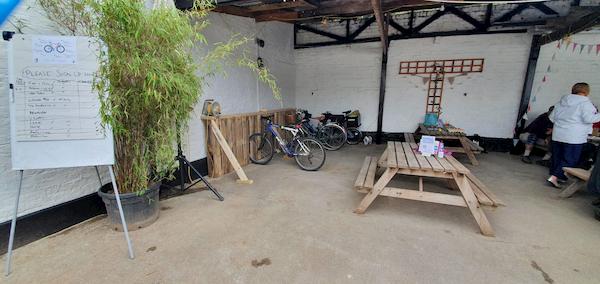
[311, 157]
[354, 135]
[334, 136]
[261, 149]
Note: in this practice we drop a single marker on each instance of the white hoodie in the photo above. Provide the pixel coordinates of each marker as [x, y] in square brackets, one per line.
[573, 117]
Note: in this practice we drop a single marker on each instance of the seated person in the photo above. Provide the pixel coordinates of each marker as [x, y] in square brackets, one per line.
[536, 133]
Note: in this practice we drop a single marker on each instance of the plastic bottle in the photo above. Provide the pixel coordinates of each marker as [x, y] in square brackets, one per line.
[441, 150]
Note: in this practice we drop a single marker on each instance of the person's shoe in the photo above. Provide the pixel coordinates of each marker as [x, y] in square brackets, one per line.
[553, 183]
[526, 159]
[561, 181]
[543, 163]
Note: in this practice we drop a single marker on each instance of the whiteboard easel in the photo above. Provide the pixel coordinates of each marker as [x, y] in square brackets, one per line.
[54, 118]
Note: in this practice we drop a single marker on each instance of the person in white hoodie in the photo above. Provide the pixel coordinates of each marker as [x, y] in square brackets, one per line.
[573, 117]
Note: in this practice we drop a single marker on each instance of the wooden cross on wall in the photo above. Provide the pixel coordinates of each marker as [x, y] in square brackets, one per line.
[437, 69]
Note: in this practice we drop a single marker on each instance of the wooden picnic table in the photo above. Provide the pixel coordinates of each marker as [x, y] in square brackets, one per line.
[467, 146]
[400, 158]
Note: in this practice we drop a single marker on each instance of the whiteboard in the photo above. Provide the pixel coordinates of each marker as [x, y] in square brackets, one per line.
[54, 112]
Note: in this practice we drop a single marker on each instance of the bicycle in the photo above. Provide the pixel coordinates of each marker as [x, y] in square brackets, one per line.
[308, 152]
[332, 136]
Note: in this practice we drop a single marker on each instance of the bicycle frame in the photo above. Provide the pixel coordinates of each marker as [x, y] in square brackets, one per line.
[287, 148]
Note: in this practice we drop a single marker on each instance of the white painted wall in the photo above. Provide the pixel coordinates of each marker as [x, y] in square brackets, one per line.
[567, 68]
[237, 92]
[347, 77]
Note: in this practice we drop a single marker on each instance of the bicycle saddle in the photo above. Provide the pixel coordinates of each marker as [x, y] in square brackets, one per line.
[346, 112]
[266, 117]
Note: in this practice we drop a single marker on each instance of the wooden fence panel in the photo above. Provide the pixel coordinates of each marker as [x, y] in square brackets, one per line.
[237, 129]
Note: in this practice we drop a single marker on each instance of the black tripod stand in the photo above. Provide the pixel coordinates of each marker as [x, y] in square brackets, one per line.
[184, 161]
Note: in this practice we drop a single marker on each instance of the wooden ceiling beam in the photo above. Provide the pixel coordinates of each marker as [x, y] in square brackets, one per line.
[279, 16]
[283, 5]
[234, 10]
[381, 23]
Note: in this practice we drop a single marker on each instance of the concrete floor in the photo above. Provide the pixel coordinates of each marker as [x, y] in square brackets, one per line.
[298, 227]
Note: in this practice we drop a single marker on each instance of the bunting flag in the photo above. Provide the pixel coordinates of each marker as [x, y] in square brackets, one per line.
[597, 49]
[544, 79]
[574, 46]
[581, 49]
[558, 44]
[548, 69]
[553, 56]
[534, 99]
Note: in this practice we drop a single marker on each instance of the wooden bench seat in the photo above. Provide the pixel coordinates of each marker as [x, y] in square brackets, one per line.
[366, 177]
[581, 177]
[409, 137]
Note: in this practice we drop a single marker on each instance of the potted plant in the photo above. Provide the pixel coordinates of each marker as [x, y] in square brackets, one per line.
[148, 86]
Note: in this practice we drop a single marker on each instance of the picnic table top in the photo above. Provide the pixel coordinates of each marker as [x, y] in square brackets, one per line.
[404, 155]
[439, 131]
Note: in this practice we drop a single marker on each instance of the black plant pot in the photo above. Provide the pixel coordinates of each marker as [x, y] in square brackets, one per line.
[140, 210]
[184, 4]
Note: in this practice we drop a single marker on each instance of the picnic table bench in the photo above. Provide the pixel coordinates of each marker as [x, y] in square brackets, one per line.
[400, 158]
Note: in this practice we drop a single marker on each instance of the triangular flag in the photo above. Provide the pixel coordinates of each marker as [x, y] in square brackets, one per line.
[558, 45]
[597, 48]
[590, 48]
[581, 49]
[574, 46]
[548, 70]
[544, 79]
[451, 80]
[553, 56]
[534, 99]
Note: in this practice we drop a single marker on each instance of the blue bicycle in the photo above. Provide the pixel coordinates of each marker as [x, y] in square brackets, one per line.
[308, 153]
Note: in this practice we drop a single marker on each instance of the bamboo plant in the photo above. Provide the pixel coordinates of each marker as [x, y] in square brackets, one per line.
[148, 83]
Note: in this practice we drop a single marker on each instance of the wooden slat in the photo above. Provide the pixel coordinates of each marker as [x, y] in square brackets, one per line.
[423, 163]
[425, 196]
[370, 179]
[456, 164]
[465, 143]
[410, 156]
[485, 190]
[445, 164]
[578, 173]
[473, 204]
[234, 162]
[400, 156]
[383, 158]
[481, 197]
[435, 164]
[362, 175]
[391, 155]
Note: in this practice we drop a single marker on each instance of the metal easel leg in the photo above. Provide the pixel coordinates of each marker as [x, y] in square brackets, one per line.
[98, 173]
[114, 183]
[13, 224]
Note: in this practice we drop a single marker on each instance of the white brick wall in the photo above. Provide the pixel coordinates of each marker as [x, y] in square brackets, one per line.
[567, 68]
[239, 91]
[347, 77]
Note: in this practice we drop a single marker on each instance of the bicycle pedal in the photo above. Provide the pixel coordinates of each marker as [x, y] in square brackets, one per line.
[286, 157]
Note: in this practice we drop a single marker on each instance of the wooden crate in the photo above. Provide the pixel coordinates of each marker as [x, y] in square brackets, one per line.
[236, 129]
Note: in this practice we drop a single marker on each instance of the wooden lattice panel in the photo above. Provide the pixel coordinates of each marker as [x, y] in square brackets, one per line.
[436, 69]
[468, 65]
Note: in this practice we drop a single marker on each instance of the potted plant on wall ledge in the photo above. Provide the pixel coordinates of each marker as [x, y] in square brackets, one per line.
[148, 86]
